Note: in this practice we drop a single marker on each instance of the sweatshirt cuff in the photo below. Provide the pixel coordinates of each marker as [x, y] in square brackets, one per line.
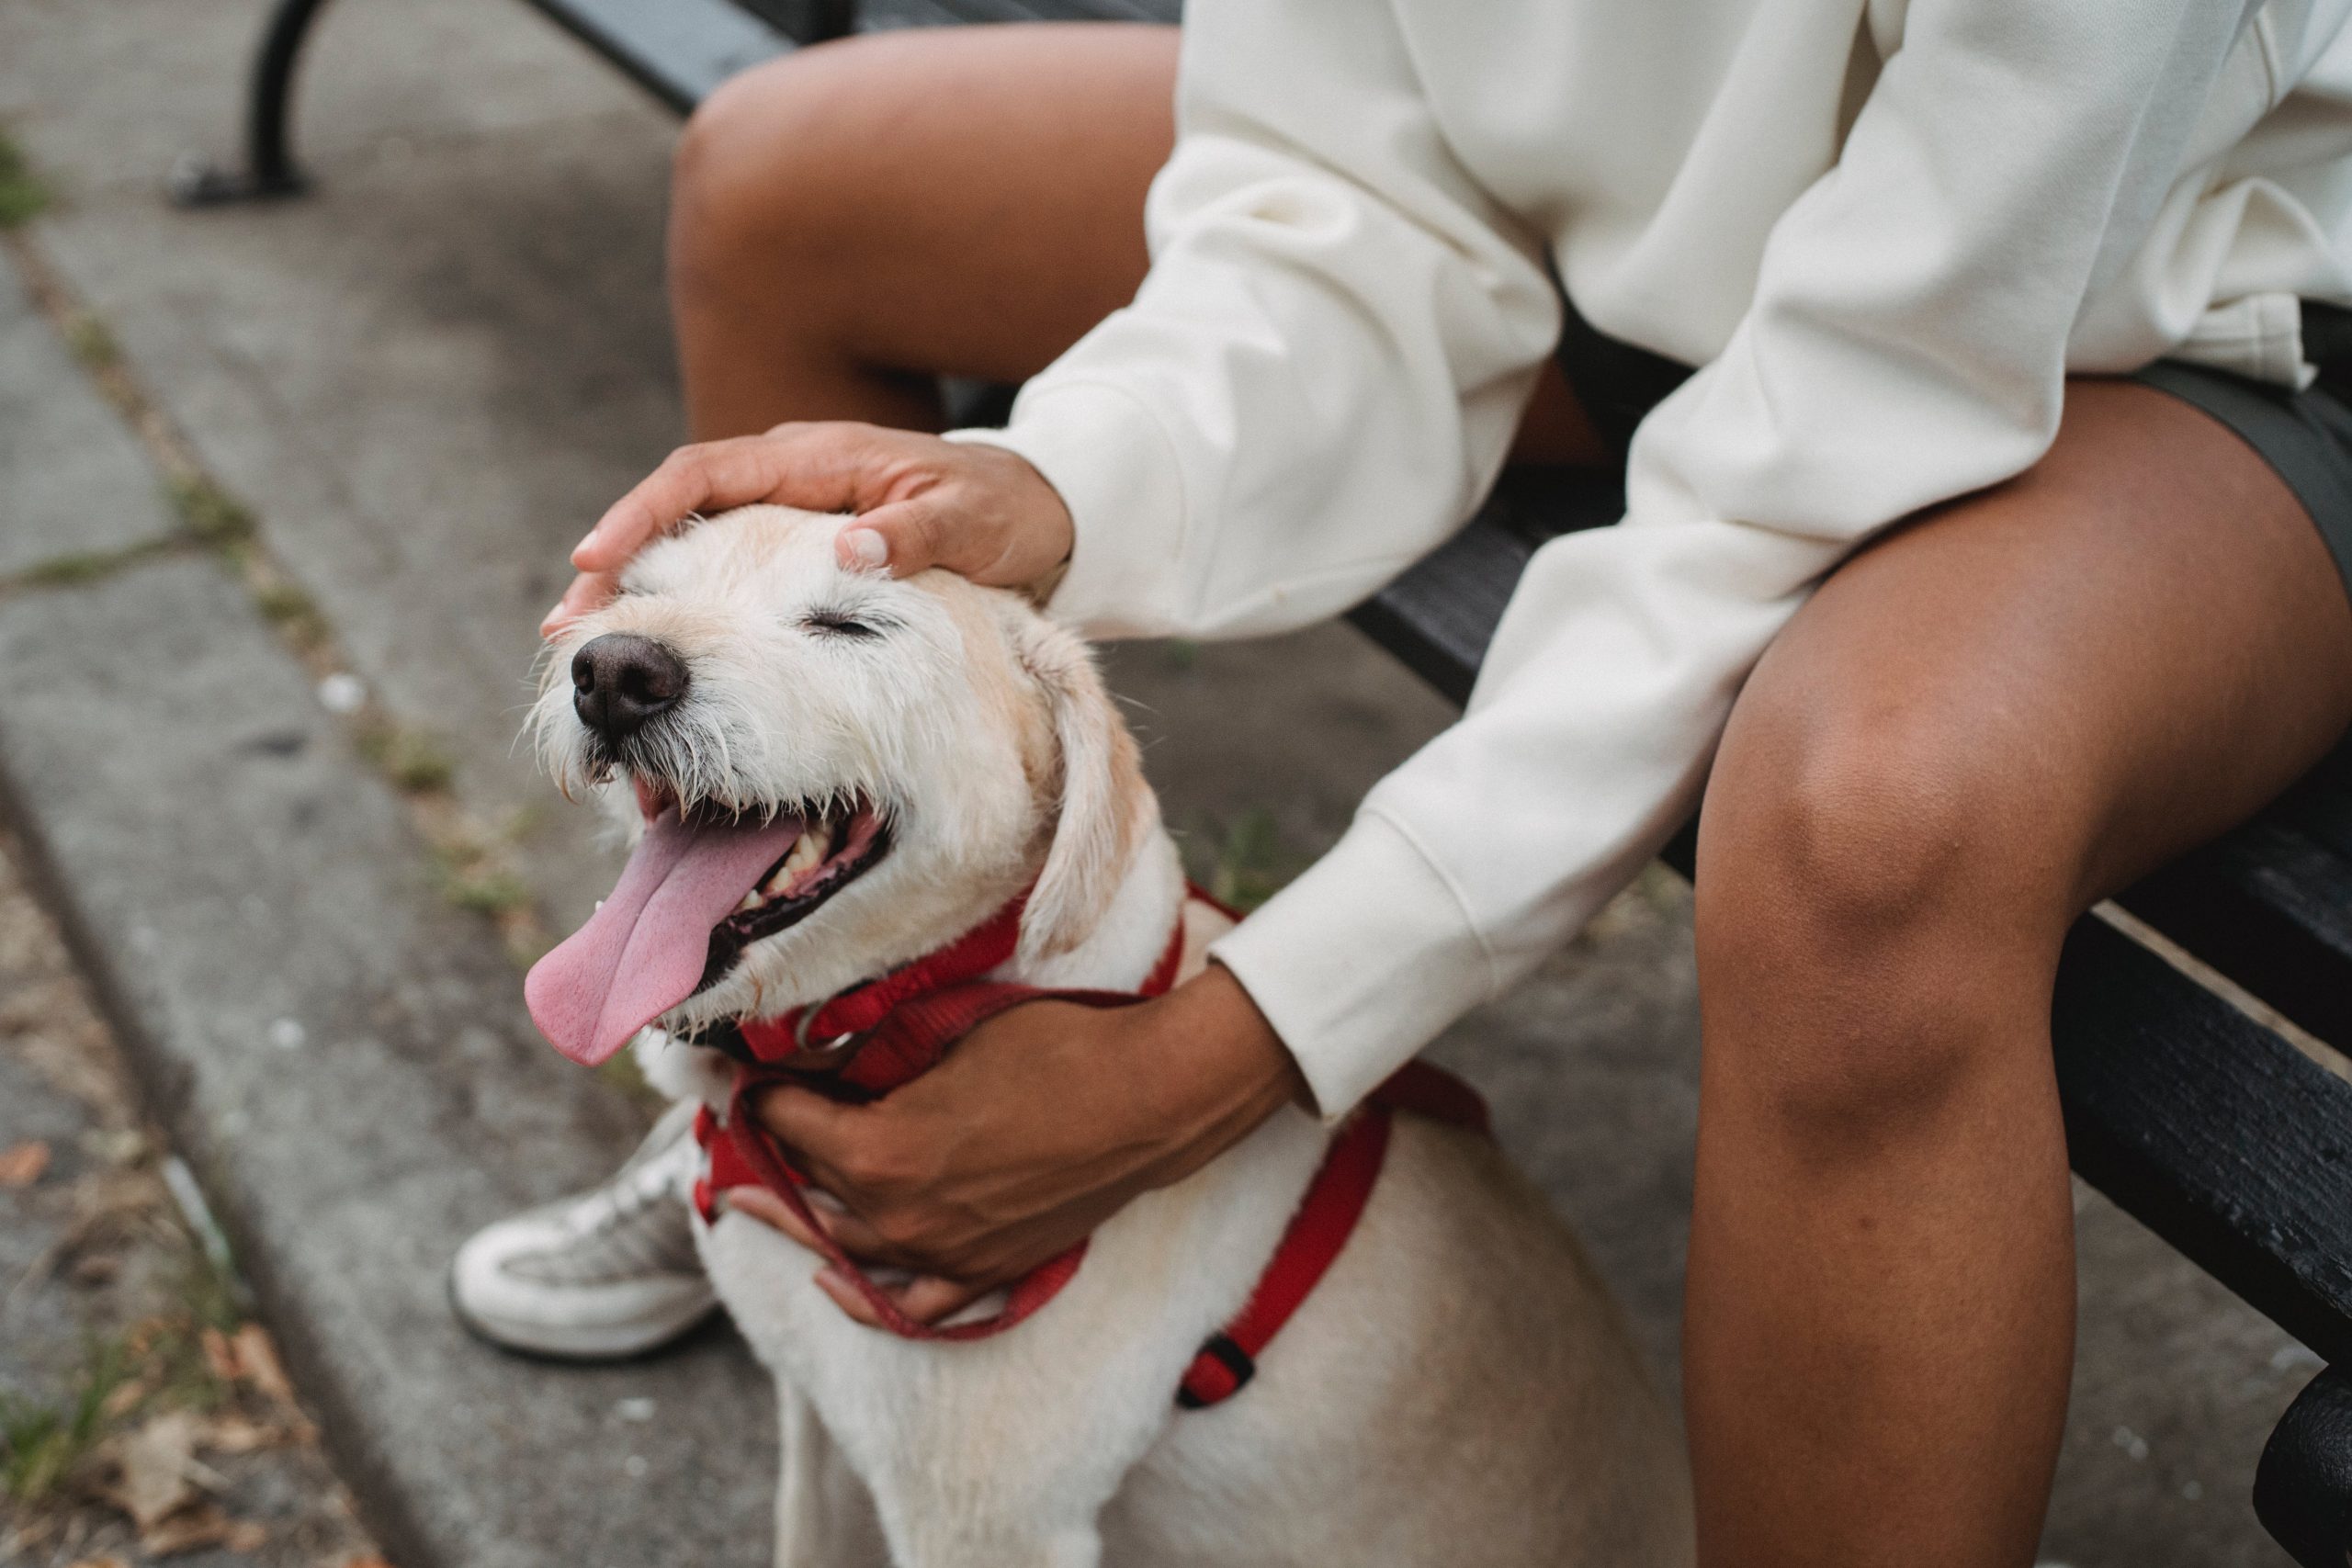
[1106, 455]
[1360, 962]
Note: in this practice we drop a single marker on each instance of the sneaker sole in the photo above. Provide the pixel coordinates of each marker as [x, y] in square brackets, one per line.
[539, 1341]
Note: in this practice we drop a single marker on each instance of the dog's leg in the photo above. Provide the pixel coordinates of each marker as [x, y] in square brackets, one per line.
[824, 1518]
[942, 1540]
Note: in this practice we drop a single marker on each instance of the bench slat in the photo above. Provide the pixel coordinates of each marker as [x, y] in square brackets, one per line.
[1439, 616]
[2210, 1130]
[877, 14]
[677, 50]
[2270, 907]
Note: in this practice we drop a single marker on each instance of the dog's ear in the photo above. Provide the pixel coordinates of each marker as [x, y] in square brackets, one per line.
[1104, 801]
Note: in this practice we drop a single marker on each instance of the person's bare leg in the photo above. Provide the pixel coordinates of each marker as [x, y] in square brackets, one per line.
[851, 219]
[1976, 728]
[856, 218]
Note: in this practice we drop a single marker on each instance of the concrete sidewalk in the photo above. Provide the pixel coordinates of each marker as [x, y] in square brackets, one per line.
[424, 379]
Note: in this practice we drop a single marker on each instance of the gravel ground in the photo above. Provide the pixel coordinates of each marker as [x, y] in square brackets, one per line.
[142, 1418]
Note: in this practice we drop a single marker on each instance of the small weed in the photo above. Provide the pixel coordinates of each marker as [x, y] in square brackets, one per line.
[486, 892]
[415, 762]
[42, 1445]
[71, 571]
[93, 343]
[522, 822]
[417, 765]
[623, 1073]
[1181, 655]
[23, 197]
[209, 1293]
[285, 603]
[210, 514]
[1252, 863]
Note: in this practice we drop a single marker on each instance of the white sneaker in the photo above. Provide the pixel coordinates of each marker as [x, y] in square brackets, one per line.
[605, 1274]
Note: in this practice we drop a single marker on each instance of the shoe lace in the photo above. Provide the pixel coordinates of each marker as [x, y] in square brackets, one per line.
[662, 1175]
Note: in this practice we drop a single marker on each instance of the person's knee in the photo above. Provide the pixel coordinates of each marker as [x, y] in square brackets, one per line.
[760, 187]
[1877, 890]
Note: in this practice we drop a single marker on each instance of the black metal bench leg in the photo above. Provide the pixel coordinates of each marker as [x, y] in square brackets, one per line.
[2302, 1489]
[270, 170]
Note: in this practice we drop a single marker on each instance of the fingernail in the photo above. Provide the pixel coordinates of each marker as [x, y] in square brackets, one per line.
[867, 547]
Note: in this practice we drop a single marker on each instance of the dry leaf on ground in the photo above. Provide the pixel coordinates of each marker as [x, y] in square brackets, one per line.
[22, 1165]
[127, 1397]
[235, 1433]
[258, 1364]
[155, 1464]
[194, 1529]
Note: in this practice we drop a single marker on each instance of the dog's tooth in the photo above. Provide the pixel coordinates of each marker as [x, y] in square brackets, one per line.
[751, 901]
[807, 854]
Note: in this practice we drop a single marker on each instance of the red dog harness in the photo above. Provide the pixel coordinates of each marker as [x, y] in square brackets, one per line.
[873, 1038]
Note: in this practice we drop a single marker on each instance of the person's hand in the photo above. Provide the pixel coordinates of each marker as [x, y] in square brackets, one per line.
[920, 502]
[1041, 1125]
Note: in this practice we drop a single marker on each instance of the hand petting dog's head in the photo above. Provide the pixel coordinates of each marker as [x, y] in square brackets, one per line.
[833, 772]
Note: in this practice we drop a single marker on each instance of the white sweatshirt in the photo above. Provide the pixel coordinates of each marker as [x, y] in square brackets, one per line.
[1886, 229]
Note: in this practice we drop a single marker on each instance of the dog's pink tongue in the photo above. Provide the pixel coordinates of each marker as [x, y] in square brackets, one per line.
[642, 953]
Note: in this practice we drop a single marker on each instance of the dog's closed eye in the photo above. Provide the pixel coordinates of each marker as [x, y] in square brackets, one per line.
[838, 623]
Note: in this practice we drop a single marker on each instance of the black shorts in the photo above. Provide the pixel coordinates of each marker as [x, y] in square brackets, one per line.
[2305, 436]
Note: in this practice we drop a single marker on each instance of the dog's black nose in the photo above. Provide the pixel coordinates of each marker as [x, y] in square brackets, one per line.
[619, 680]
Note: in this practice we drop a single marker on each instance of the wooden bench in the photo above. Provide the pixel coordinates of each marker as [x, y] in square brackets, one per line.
[2214, 1130]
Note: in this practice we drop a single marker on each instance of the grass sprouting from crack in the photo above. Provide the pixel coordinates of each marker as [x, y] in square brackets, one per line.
[23, 197]
[70, 572]
[1251, 862]
[81, 568]
[42, 1445]
[473, 875]
[286, 603]
[158, 1364]
[93, 343]
[210, 514]
[487, 892]
[413, 760]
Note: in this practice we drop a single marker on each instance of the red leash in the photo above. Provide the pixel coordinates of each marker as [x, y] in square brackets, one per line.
[873, 1038]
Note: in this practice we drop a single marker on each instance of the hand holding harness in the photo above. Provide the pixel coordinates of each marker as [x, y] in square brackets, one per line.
[865, 1042]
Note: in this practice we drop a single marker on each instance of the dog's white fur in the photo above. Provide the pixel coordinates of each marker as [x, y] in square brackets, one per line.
[1458, 1390]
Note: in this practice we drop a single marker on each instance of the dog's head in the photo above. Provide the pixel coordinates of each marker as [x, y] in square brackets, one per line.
[829, 773]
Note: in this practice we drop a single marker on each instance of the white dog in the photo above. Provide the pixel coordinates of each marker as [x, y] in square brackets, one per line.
[842, 773]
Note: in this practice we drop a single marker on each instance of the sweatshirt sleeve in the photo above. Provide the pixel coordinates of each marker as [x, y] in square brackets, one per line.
[1325, 366]
[1273, 426]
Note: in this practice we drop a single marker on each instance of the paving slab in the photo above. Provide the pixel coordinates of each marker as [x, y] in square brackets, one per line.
[345, 1062]
[381, 82]
[77, 482]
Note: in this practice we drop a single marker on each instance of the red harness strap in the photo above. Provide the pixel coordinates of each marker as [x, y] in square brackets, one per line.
[874, 1037]
[1326, 1218]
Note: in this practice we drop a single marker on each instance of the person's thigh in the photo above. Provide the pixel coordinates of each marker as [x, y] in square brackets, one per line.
[961, 201]
[953, 200]
[2038, 692]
